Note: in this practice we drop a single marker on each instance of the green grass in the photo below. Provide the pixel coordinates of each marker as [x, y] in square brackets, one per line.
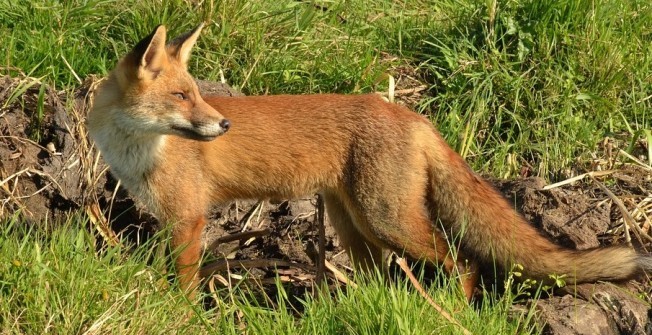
[536, 83]
[543, 80]
[510, 84]
[54, 280]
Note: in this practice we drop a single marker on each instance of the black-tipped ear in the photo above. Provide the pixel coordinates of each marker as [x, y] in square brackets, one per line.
[149, 54]
[181, 46]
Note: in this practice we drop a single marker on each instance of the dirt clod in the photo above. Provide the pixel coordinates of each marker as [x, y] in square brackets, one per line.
[567, 216]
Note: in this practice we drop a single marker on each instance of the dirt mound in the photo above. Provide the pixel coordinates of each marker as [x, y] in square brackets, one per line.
[40, 166]
[582, 217]
[49, 170]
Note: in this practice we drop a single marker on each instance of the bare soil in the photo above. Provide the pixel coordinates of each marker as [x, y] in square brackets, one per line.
[49, 171]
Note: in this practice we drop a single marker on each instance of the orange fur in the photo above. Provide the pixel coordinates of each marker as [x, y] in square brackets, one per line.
[388, 178]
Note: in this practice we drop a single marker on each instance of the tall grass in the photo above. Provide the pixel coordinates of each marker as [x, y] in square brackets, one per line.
[542, 80]
[511, 83]
[56, 280]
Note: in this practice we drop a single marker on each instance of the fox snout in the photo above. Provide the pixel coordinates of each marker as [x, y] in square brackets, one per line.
[208, 131]
[200, 126]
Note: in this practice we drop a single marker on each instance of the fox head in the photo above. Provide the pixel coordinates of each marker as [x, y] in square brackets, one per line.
[153, 93]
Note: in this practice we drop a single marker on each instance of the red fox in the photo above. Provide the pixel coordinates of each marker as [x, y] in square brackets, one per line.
[388, 179]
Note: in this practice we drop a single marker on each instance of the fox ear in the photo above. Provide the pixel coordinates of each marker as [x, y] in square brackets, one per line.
[149, 54]
[181, 46]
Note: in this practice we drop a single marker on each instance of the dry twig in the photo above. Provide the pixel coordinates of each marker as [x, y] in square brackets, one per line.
[627, 217]
[239, 237]
[578, 178]
[403, 264]
[218, 266]
[321, 259]
[341, 277]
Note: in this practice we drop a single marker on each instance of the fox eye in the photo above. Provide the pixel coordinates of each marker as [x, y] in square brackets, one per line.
[180, 95]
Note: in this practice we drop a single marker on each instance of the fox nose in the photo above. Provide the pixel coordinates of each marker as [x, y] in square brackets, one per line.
[225, 124]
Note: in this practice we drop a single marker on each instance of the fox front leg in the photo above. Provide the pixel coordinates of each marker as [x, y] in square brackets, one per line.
[186, 246]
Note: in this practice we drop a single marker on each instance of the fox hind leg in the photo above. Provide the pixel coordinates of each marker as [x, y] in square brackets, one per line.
[434, 247]
[406, 226]
[417, 237]
[363, 254]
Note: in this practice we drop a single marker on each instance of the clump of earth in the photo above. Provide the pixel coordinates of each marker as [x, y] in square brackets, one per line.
[50, 170]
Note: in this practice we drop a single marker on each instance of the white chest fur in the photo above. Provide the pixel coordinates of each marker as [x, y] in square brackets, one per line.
[131, 158]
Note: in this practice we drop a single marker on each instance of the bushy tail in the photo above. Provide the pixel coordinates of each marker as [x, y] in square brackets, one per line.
[492, 231]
